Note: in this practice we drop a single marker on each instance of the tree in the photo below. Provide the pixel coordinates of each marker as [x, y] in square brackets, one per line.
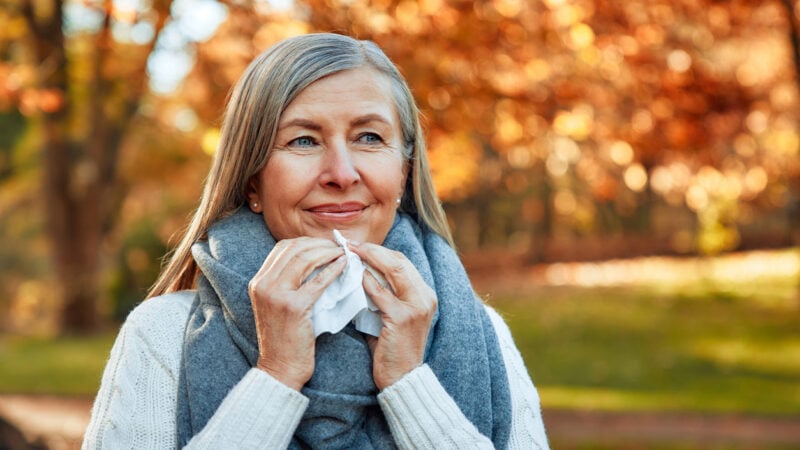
[85, 90]
[607, 110]
[791, 8]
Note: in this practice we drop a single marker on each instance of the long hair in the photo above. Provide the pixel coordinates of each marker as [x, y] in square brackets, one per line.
[250, 124]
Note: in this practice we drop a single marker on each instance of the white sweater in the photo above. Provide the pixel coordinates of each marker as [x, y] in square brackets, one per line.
[136, 405]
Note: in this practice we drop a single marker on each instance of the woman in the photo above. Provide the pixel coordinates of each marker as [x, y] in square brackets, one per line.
[320, 134]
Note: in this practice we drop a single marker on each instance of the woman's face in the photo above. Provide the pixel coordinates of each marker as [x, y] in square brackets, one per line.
[337, 161]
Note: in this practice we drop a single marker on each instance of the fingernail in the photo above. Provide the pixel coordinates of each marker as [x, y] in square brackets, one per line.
[354, 243]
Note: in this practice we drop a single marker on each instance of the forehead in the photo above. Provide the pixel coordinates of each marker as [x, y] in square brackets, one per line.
[364, 86]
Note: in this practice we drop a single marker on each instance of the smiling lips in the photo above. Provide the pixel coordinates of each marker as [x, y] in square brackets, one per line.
[337, 212]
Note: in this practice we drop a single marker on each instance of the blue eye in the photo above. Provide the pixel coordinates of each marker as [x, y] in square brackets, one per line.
[370, 138]
[304, 141]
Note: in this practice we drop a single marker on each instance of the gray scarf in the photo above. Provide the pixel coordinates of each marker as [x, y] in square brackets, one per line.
[220, 343]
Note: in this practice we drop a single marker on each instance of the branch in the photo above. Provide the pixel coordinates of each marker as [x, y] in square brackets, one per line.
[793, 37]
[30, 18]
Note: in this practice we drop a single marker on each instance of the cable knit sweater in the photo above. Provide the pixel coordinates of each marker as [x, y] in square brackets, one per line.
[136, 404]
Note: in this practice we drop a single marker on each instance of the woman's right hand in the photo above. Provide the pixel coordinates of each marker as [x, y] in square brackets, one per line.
[282, 297]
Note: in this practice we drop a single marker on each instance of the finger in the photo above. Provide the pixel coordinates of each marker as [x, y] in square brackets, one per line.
[383, 298]
[372, 341]
[314, 287]
[282, 270]
[295, 264]
[299, 270]
[286, 249]
[394, 266]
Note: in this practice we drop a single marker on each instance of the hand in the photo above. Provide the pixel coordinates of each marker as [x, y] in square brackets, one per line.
[407, 307]
[282, 300]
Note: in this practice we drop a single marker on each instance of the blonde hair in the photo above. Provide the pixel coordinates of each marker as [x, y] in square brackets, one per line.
[250, 123]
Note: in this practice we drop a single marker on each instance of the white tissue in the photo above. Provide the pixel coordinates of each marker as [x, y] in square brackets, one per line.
[345, 300]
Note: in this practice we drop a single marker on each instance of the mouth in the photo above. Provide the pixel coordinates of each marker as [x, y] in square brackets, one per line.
[337, 212]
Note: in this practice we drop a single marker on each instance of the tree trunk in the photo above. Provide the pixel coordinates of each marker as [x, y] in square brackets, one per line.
[542, 229]
[72, 237]
[80, 174]
[793, 211]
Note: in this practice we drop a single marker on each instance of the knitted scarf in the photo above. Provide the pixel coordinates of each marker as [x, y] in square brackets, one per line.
[220, 343]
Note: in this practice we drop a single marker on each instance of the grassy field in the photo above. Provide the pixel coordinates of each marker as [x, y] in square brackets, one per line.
[701, 347]
[69, 366]
[698, 348]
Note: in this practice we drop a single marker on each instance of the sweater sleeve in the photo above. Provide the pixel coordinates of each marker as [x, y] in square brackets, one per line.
[422, 415]
[527, 426]
[136, 404]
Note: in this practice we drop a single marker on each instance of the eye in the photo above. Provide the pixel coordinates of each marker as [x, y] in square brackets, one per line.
[369, 138]
[303, 141]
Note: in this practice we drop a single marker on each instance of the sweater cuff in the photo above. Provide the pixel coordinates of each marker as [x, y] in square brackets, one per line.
[259, 412]
[421, 414]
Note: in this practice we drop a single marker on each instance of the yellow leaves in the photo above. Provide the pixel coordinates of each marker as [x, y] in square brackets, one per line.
[506, 76]
[755, 181]
[621, 153]
[408, 17]
[580, 36]
[635, 177]
[577, 123]
[552, 4]
[521, 157]
[430, 7]
[124, 12]
[565, 15]
[537, 70]
[508, 8]
[679, 61]
[33, 310]
[760, 62]
[274, 32]
[782, 142]
[210, 141]
[650, 35]
[564, 151]
[14, 27]
[380, 23]
[507, 129]
[454, 160]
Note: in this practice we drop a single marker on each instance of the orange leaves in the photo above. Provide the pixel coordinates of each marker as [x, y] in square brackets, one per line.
[33, 101]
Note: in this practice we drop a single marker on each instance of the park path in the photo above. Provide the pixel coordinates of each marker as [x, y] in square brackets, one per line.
[58, 423]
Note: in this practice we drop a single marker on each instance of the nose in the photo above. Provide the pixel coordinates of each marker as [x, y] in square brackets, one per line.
[339, 169]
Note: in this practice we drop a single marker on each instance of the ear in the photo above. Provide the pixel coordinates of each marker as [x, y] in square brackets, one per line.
[254, 196]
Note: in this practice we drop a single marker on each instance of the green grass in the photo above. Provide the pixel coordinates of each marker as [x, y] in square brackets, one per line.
[698, 348]
[695, 348]
[64, 366]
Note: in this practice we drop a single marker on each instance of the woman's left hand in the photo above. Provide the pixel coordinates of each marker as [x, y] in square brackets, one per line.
[407, 307]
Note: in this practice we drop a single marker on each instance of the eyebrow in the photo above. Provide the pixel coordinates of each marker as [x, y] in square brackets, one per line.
[301, 123]
[362, 120]
[311, 125]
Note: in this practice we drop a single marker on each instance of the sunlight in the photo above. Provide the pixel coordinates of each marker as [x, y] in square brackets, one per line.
[173, 58]
[734, 268]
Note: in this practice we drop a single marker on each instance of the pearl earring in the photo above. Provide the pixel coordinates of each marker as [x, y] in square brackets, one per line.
[255, 205]
[399, 199]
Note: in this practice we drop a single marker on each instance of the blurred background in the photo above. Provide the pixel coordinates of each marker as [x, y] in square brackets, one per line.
[622, 178]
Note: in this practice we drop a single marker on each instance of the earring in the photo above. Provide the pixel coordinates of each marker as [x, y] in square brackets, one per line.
[255, 205]
[399, 199]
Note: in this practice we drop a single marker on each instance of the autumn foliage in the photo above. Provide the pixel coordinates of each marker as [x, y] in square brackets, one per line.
[557, 129]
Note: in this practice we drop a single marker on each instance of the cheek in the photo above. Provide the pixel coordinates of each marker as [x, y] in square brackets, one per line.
[388, 178]
[284, 180]
[282, 187]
